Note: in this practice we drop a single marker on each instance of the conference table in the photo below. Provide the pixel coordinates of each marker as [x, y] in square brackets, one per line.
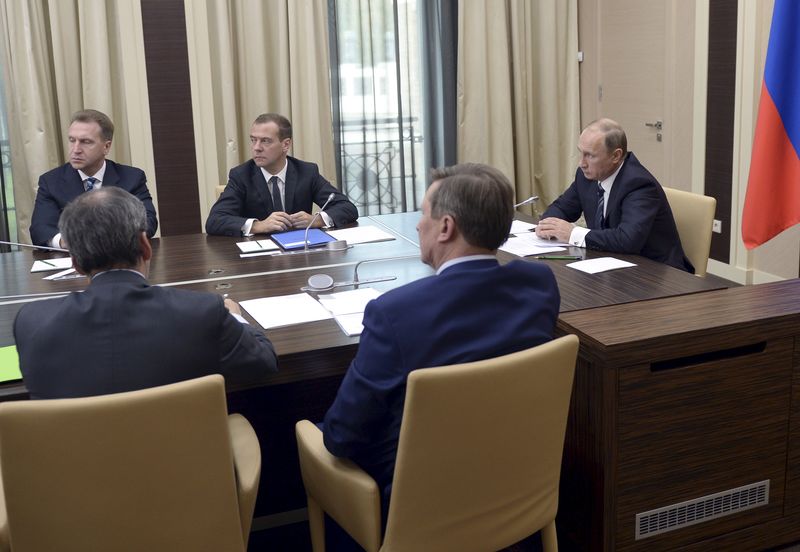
[314, 356]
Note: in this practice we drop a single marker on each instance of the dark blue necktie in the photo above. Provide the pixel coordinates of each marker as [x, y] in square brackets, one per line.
[600, 203]
[277, 204]
[90, 182]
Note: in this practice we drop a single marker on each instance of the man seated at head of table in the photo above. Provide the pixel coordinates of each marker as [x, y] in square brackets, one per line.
[624, 206]
[121, 334]
[473, 308]
[273, 192]
[89, 134]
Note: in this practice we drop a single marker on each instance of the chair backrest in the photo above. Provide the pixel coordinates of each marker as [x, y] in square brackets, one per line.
[479, 456]
[694, 217]
[218, 190]
[144, 470]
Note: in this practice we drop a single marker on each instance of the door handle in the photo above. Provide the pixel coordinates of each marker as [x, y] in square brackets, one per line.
[658, 125]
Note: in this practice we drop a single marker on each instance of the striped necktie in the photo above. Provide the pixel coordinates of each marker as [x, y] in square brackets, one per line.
[90, 182]
[599, 217]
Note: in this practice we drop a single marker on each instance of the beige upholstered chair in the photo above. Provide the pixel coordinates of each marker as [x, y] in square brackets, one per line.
[694, 216]
[161, 469]
[219, 189]
[478, 461]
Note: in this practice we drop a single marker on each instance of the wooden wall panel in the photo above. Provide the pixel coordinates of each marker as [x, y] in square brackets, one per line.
[167, 60]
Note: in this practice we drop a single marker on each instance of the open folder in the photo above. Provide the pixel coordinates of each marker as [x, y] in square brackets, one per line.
[295, 239]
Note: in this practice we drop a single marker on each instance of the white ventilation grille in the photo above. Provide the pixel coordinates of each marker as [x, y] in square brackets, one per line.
[691, 512]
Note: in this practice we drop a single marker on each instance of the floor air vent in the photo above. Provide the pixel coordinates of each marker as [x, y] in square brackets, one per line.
[691, 512]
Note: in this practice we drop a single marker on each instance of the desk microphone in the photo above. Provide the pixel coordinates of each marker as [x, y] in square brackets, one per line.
[324, 282]
[318, 213]
[35, 246]
[529, 200]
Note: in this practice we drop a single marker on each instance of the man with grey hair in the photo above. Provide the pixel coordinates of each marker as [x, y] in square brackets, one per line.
[121, 334]
[274, 192]
[474, 308]
[624, 206]
[89, 135]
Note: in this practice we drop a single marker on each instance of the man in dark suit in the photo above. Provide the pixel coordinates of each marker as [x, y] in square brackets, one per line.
[472, 309]
[273, 192]
[122, 334]
[90, 134]
[624, 206]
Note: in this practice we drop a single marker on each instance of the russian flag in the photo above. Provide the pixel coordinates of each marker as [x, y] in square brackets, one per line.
[772, 203]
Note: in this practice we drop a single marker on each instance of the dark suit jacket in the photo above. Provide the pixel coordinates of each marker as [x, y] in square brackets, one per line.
[247, 196]
[122, 334]
[471, 311]
[63, 184]
[638, 217]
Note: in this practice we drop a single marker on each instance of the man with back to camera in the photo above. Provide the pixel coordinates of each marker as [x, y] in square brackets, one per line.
[90, 134]
[122, 334]
[625, 208]
[472, 309]
[273, 192]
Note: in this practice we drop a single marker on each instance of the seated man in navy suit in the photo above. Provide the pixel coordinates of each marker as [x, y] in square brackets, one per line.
[474, 308]
[122, 334]
[90, 134]
[624, 206]
[273, 192]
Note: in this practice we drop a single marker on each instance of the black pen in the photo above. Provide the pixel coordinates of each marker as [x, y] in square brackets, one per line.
[561, 257]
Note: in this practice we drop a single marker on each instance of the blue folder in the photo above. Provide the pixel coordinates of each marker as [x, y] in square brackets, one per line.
[294, 238]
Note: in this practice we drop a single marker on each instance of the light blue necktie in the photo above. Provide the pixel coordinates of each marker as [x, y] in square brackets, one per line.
[600, 204]
[90, 182]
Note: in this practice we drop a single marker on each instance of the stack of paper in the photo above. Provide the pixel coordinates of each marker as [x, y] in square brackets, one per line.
[361, 234]
[593, 266]
[52, 264]
[527, 243]
[348, 308]
[285, 310]
[253, 248]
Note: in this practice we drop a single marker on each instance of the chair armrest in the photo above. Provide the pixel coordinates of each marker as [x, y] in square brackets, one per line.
[342, 489]
[5, 538]
[247, 465]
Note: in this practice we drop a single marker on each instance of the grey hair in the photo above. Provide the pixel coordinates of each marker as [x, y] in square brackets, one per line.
[102, 229]
[613, 135]
[480, 199]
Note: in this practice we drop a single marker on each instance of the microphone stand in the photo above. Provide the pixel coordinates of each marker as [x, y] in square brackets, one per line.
[318, 213]
[59, 249]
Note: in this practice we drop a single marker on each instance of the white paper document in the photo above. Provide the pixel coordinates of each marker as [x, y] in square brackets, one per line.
[593, 266]
[351, 324]
[285, 310]
[52, 264]
[524, 245]
[64, 275]
[348, 302]
[254, 246]
[348, 308]
[361, 234]
[518, 227]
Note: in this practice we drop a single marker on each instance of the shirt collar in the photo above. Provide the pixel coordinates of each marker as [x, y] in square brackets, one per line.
[458, 260]
[98, 175]
[281, 173]
[117, 270]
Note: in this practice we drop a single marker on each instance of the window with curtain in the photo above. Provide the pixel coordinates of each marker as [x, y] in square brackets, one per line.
[381, 123]
[8, 213]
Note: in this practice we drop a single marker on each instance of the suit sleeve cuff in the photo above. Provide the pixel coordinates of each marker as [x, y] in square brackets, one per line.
[578, 236]
[240, 318]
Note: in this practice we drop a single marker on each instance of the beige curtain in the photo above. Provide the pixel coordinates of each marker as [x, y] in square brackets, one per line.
[518, 91]
[60, 56]
[248, 57]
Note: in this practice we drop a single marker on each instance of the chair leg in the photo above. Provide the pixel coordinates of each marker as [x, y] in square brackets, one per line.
[549, 538]
[316, 525]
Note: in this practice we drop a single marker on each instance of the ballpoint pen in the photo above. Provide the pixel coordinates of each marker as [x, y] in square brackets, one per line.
[561, 257]
[48, 263]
